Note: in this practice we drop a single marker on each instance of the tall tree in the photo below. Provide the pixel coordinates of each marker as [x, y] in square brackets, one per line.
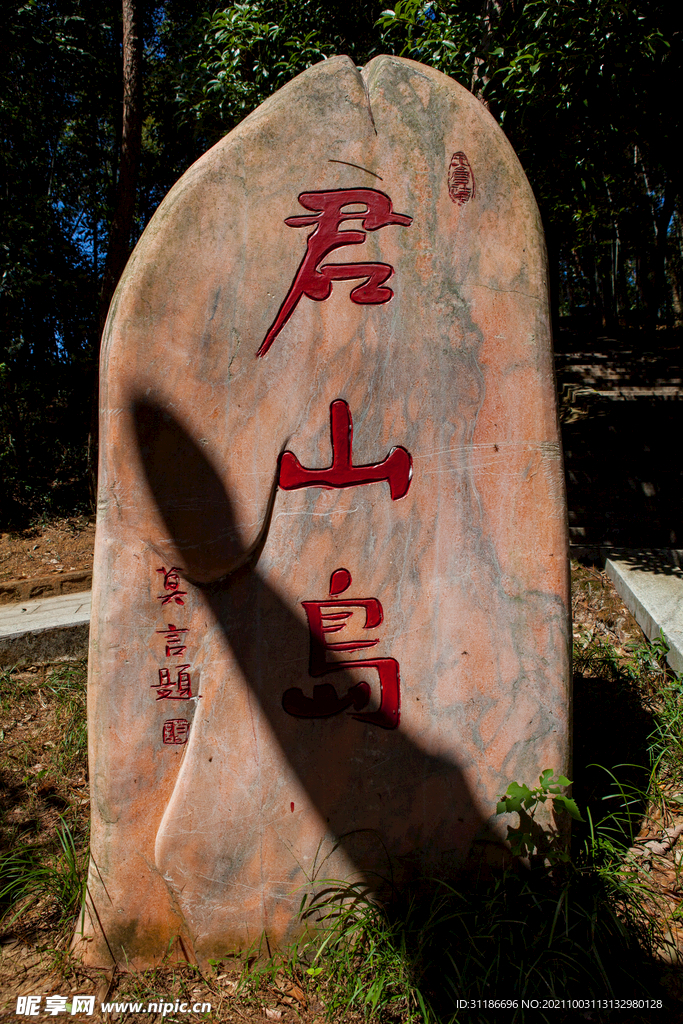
[122, 222]
[57, 100]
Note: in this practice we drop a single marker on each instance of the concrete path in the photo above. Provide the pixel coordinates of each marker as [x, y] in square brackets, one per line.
[51, 629]
[650, 583]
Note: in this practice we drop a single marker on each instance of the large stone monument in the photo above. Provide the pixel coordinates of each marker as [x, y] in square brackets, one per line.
[330, 606]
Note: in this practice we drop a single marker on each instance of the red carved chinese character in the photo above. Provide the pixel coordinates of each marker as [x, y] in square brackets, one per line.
[314, 280]
[461, 184]
[171, 582]
[181, 689]
[326, 617]
[396, 468]
[176, 730]
[174, 648]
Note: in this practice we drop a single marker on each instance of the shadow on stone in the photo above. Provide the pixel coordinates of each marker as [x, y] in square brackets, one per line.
[254, 620]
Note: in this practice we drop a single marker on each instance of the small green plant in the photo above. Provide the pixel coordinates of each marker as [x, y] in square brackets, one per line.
[666, 740]
[595, 656]
[368, 955]
[530, 838]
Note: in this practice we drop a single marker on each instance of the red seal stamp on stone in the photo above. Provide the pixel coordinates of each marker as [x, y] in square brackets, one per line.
[461, 186]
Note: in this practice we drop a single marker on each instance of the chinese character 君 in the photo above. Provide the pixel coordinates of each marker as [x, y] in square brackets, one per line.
[329, 211]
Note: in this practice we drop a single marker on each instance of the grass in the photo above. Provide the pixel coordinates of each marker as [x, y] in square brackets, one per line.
[535, 934]
[44, 820]
[66, 685]
[56, 882]
[591, 921]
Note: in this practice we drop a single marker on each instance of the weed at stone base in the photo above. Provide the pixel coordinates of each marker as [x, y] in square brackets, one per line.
[26, 879]
[523, 934]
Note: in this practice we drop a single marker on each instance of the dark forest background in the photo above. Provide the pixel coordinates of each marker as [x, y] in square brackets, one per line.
[105, 103]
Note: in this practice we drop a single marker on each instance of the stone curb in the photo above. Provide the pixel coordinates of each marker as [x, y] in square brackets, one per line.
[51, 629]
[54, 585]
[650, 583]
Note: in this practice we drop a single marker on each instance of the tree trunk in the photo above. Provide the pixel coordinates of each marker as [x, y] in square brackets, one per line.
[662, 222]
[118, 250]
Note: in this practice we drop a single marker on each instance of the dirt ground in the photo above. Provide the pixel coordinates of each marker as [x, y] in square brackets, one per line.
[45, 548]
[44, 782]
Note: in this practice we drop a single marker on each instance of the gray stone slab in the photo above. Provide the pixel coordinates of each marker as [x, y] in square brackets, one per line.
[51, 629]
[650, 583]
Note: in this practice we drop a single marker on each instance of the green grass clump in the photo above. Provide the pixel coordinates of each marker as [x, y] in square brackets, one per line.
[67, 686]
[55, 882]
[523, 933]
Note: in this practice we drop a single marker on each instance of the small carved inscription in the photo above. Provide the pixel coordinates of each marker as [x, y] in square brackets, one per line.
[176, 730]
[461, 186]
[179, 689]
[174, 646]
[171, 582]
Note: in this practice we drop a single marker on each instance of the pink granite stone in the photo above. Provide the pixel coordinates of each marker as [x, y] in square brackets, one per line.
[236, 753]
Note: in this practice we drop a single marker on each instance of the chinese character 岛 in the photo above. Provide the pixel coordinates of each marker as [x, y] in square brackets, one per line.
[326, 617]
[314, 280]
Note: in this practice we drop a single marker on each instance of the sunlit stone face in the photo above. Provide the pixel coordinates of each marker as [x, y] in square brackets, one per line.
[330, 615]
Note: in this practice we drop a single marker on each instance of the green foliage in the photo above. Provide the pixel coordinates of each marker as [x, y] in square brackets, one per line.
[525, 801]
[56, 884]
[246, 51]
[58, 86]
[585, 90]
